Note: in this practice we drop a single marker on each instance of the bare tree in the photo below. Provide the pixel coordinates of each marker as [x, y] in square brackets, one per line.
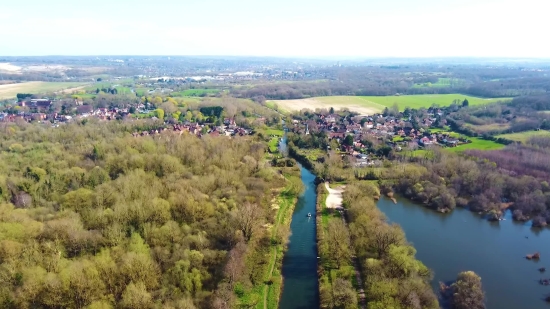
[248, 218]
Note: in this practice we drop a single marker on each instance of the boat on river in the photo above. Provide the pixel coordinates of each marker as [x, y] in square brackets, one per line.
[309, 214]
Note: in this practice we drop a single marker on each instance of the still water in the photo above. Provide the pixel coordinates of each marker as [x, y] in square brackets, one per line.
[300, 286]
[451, 243]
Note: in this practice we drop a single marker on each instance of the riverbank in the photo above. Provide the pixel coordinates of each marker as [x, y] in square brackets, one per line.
[299, 268]
[375, 243]
[279, 235]
[463, 240]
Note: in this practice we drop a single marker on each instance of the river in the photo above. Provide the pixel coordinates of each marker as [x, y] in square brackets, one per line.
[300, 283]
[451, 243]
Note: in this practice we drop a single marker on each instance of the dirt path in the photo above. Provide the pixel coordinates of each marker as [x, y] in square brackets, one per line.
[334, 198]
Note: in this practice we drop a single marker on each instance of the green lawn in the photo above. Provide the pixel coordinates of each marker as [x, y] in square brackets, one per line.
[524, 136]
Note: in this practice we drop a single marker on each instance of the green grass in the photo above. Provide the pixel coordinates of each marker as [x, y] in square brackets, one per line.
[524, 136]
[424, 100]
[376, 104]
[273, 144]
[11, 90]
[272, 291]
[477, 143]
[194, 92]
[141, 91]
[442, 82]
[275, 132]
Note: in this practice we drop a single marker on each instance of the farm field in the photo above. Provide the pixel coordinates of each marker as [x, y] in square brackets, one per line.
[368, 105]
[477, 143]
[11, 90]
[194, 92]
[489, 127]
[427, 100]
[524, 136]
[443, 82]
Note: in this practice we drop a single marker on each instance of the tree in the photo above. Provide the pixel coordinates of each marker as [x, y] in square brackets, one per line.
[331, 110]
[407, 112]
[344, 294]
[385, 236]
[338, 242]
[394, 111]
[348, 141]
[136, 297]
[465, 103]
[467, 291]
[248, 218]
[159, 113]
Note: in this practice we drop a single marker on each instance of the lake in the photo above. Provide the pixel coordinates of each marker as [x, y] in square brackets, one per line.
[462, 240]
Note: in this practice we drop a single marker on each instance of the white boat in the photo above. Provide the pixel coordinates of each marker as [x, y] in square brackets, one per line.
[309, 214]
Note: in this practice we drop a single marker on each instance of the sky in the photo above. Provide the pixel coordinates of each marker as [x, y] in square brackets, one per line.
[285, 28]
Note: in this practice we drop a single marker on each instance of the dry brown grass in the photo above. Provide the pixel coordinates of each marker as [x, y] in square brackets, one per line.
[11, 90]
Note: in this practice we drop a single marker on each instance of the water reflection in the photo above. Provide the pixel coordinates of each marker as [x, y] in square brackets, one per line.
[462, 240]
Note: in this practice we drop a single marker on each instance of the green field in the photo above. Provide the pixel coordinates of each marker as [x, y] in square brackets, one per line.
[11, 90]
[442, 82]
[194, 92]
[477, 143]
[425, 100]
[375, 104]
[524, 136]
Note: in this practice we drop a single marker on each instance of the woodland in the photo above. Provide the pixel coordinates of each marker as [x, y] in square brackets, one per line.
[92, 217]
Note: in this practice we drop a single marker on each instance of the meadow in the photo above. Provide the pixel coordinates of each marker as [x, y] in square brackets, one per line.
[194, 92]
[11, 90]
[443, 82]
[477, 143]
[524, 136]
[373, 104]
[426, 100]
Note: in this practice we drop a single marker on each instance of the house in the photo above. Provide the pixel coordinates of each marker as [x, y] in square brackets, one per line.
[38, 116]
[41, 104]
[425, 141]
[83, 109]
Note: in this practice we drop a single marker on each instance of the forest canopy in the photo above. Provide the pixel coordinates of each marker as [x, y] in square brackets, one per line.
[91, 217]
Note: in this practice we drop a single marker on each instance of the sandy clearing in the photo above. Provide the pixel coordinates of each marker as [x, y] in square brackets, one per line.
[6, 66]
[314, 103]
[334, 198]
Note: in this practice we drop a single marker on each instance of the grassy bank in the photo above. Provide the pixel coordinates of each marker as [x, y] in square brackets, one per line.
[286, 201]
[328, 269]
[266, 280]
[377, 246]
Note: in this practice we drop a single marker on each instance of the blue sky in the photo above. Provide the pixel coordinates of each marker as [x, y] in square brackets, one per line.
[304, 28]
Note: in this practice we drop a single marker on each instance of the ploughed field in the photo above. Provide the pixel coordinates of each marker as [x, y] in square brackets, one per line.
[374, 104]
